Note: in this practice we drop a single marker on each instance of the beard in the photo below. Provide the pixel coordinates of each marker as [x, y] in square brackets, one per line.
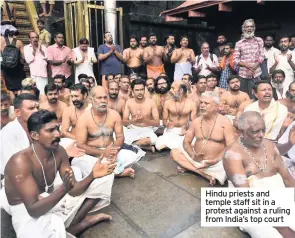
[283, 47]
[113, 96]
[153, 43]
[52, 101]
[4, 112]
[151, 90]
[163, 90]
[291, 97]
[268, 45]
[234, 89]
[277, 85]
[221, 43]
[247, 35]
[78, 104]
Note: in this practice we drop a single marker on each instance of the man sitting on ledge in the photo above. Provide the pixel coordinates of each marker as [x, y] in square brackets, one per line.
[253, 161]
[41, 208]
[213, 132]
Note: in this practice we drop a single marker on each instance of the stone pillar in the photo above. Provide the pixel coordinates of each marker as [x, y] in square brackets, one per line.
[110, 18]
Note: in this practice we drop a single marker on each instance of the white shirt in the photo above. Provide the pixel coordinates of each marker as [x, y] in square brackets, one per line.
[270, 54]
[203, 61]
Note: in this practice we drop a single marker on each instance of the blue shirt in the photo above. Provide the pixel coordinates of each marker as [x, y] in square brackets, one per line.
[112, 64]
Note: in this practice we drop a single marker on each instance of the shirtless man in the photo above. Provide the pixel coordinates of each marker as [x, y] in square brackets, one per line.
[188, 80]
[132, 57]
[96, 127]
[212, 85]
[124, 87]
[199, 85]
[144, 116]
[213, 132]
[150, 87]
[72, 113]
[29, 185]
[289, 101]
[162, 93]
[64, 93]
[183, 58]
[143, 42]
[178, 112]
[53, 104]
[117, 77]
[252, 158]
[114, 102]
[154, 55]
[232, 99]
[5, 104]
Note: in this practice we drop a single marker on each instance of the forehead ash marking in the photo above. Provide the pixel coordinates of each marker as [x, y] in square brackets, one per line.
[232, 155]
[239, 179]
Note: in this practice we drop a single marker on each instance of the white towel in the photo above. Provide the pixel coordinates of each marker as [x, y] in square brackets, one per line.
[134, 133]
[170, 139]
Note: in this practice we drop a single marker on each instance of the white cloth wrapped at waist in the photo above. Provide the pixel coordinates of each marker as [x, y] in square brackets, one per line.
[134, 133]
[216, 171]
[181, 69]
[170, 139]
[271, 182]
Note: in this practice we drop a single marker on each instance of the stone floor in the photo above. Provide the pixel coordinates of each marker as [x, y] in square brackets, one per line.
[159, 202]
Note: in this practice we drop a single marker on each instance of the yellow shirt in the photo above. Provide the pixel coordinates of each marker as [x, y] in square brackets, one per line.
[45, 37]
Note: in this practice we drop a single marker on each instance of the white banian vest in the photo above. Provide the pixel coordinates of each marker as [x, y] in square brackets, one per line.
[86, 67]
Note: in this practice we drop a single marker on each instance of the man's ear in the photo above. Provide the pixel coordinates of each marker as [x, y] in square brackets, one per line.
[17, 112]
[34, 135]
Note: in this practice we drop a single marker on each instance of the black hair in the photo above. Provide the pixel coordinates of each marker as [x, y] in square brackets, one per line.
[196, 78]
[107, 75]
[84, 41]
[255, 86]
[167, 36]
[18, 101]
[60, 76]
[151, 34]
[58, 33]
[142, 75]
[40, 21]
[157, 81]
[84, 80]
[81, 76]
[278, 71]
[38, 120]
[190, 78]
[79, 87]
[284, 36]
[5, 97]
[29, 88]
[183, 86]
[230, 44]
[269, 35]
[50, 87]
[137, 82]
[182, 37]
[233, 77]
[211, 76]
[133, 37]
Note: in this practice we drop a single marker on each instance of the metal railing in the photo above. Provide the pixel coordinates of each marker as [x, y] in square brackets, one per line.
[33, 15]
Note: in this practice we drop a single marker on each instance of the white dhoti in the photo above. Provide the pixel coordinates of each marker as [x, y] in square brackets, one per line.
[181, 69]
[41, 82]
[216, 171]
[8, 27]
[134, 133]
[170, 139]
[54, 222]
[272, 182]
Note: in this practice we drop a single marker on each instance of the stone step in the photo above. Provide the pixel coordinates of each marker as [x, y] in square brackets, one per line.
[20, 7]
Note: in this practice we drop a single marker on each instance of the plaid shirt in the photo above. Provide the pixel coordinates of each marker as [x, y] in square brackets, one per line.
[249, 51]
[225, 74]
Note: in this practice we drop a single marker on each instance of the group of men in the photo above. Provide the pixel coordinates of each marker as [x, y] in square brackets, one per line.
[92, 133]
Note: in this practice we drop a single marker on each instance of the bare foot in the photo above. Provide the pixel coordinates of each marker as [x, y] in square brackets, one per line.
[129, 172]
[180, 169]
[153, 149]
[212, 181]
[43, 14]
[91, 220]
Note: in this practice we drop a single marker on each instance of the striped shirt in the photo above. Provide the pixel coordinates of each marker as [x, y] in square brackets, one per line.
[250, 51]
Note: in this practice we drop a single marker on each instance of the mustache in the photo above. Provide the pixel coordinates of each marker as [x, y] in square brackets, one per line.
[56, 140]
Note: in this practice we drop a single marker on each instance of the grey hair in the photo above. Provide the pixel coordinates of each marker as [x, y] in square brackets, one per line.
[212, 95]
[246, 117]
[246, 21]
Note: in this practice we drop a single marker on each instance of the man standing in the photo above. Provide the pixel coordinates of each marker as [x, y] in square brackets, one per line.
[206, 63]
[254, 162]
[143, 42]
[227, 65]
[114, 102]
[248, 56]
[144, 116]
[218, 51]
[40, 209]
[271, 111]
[269, 50]
[63, 92]
[284, 60]
[60, 57]
[213, 132]
[124, 87]
[36, 57]
[5, 105]
[177, 114]
[132, 57]
[110, 58]
[289, 101]
[154, 55]
[84, 58]
[44, 35]
[53, 104]
[72, 113]
[232, 99]
[292, 43]
[183, 58]
[169, 49]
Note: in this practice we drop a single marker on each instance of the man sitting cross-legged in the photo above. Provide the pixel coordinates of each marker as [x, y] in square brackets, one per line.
[253, 161]
[72, 113]
[43, 205]
[140, 116]
[114, 101]
[177, 114]
[96, 127]
[213, 132]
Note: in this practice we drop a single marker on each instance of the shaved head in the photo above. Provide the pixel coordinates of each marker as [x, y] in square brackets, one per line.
[97, 90]
[249, 118]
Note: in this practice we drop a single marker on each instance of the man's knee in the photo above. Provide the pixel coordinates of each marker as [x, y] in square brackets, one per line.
[174, 154]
